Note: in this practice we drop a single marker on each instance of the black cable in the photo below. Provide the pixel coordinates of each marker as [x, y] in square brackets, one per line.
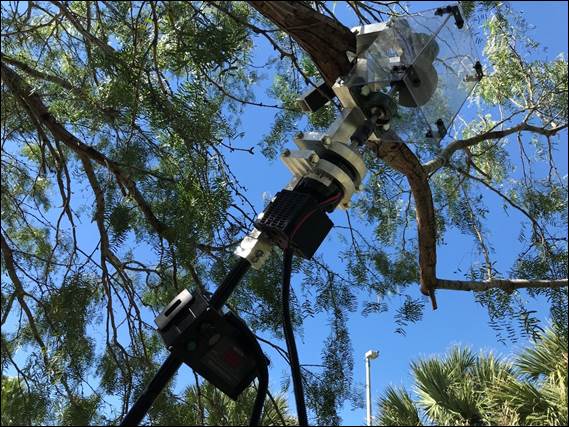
[230, 282]
[161, 378]
[262, 390]
[290, 343]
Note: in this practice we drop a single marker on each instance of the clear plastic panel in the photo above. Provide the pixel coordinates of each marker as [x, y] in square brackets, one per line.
[434, 62]
[399, 44]
[456, 74]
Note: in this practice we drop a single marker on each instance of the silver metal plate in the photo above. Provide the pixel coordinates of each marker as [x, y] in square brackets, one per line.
[299, 162]
[255, 248]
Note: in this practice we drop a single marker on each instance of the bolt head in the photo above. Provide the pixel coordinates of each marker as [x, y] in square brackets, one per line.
[313, 158]
[326, 141]
[361, 187]
[365, 90]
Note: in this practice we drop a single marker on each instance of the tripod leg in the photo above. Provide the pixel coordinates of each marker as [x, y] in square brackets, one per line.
[228, 285]
[160, 380]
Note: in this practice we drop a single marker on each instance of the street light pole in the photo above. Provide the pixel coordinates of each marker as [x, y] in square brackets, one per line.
[370, 355]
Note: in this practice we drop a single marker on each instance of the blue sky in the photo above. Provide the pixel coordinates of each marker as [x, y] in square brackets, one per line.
[459, 319]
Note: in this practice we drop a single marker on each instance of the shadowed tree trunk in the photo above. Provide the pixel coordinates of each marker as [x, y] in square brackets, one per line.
[324, 39]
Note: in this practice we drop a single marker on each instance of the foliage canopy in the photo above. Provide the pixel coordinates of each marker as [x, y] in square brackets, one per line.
[117, 122]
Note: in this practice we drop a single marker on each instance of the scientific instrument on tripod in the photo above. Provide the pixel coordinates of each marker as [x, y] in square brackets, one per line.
[410, 77]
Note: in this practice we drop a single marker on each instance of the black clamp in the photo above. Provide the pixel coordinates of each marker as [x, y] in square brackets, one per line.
[441, 130]
[316, 97]
[458, 19]
[479, 70]
[478, 73]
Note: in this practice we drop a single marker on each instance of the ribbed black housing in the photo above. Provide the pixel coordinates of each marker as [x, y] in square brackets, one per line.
[285, 212]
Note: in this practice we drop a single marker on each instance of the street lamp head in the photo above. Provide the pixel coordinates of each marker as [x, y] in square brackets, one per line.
[372, 354]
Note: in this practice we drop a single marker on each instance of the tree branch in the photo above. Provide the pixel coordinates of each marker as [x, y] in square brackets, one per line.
[454, 146]
[22, 90]
[20, 292]
[397, 155]
[326, 40]
[505, 284]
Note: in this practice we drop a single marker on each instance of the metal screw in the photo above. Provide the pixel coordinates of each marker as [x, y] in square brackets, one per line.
[360, 187]
[286, 153]
[313, 158]
[326, 141]
[365, 90]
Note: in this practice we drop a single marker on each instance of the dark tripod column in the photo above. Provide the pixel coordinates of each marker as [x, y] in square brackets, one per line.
[160, 380]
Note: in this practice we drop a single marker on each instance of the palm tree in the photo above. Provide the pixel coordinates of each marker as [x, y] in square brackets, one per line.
[207, 406]
[462, 388]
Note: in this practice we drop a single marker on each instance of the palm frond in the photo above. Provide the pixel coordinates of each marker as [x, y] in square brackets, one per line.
[545, 357]
[446, 392]
[397, 409]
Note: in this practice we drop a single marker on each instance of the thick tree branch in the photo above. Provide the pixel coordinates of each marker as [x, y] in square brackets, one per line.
[22, 90]
[397, 155]
[504, 284]
[327, 42]
[323, 38]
